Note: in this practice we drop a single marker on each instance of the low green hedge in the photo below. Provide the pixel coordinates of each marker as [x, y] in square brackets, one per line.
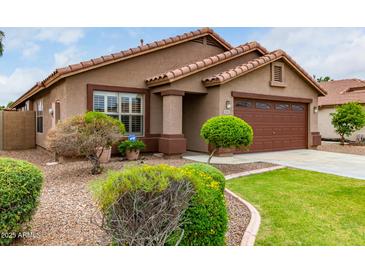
[205, 220]
[210, 170]
[20, 187]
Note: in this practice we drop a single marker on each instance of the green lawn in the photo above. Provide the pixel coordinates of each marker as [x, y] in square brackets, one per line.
[301, 207]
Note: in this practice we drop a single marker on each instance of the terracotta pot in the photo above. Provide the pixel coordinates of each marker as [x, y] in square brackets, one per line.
[221, 152]
[105, 156]
[132, 155]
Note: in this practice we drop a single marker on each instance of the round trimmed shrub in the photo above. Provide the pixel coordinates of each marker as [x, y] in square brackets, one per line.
[226, 131]
[20, 187]
[210, 170]
[205, 220]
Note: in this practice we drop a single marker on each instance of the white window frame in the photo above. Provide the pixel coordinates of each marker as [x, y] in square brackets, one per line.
[119, 113]
[39, 108]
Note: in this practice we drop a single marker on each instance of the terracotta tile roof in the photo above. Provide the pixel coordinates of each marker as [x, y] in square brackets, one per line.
[115, 57]
[342, 91]
[238, 71]
[173, 75]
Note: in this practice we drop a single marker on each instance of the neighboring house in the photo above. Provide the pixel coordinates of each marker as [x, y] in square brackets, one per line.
[164, 91]
[338, 93]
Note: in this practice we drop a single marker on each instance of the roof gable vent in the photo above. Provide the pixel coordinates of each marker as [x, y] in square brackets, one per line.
[278, 74]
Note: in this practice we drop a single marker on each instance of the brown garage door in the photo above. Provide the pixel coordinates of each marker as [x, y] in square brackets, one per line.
[277, 125]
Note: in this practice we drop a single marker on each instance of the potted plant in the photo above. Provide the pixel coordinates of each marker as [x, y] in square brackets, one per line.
[131, 149]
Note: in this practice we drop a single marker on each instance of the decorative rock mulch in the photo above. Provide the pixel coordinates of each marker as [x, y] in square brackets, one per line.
[239, 218]
[67, 215]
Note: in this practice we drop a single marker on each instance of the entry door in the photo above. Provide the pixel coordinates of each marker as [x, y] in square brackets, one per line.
[277, 125]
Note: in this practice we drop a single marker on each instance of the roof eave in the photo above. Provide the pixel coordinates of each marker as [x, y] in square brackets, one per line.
[159, 82]
[317, 87]
[45, 84]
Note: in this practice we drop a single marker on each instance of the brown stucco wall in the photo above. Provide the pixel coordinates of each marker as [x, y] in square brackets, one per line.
[326, 128]
[194, 84]
[50, 96]
[197, 108]
[71, 92]
[133, 72]
[258, 82]
[17, 130]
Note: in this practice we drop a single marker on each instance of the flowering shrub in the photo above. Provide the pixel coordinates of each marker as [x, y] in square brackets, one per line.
[205, 220]
[213, 172]
[162, 205]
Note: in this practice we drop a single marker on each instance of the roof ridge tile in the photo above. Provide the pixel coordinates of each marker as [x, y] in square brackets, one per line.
[209, 61]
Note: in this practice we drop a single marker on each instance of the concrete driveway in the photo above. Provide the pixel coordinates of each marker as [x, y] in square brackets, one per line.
[348, 165]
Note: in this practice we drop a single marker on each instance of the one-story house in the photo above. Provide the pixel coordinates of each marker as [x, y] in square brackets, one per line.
[338, 93]
[164, 91]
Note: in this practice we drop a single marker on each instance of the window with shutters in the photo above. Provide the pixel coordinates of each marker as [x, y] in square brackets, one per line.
[127, 107]
[278, 74]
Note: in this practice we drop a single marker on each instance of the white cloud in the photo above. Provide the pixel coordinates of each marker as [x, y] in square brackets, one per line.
[31, 50]
[64, 36]
[28, 40]
[336, 52]
[69, 56]
[18, 82]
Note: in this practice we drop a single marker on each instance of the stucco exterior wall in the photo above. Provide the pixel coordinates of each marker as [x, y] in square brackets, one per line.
[197, 108]
[193, 83]
[326, 128]
[258, 82]
[133, 72]
[49, 97]
[71, 92]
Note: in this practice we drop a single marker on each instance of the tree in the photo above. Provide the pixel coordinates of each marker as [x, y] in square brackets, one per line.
[226, 131]
[347, 119]
[85, 135]
[2, 35]
[322, 79]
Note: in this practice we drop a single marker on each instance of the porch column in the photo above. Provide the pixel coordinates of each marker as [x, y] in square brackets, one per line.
[172, 141]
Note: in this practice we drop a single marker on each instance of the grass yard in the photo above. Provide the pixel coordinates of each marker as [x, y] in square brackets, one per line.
[301, 207]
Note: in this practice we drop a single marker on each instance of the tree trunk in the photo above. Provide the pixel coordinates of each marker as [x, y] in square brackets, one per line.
[95, 161]
[211, 155]
[342, 140]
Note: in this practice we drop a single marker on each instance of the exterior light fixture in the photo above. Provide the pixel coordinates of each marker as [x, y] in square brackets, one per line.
[228, 104]
[50, 111]
[315, 109]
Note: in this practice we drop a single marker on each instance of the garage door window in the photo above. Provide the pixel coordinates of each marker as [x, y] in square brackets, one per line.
[244, 103]
[295, 107]
[281, 106]
[263, 105]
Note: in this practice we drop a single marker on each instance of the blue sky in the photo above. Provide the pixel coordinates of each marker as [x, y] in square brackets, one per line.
[32, 53]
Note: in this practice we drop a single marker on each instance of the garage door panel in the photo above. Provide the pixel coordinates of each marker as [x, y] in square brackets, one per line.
[276, 125]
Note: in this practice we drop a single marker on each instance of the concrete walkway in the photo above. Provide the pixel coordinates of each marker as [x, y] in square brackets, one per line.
[348, 165]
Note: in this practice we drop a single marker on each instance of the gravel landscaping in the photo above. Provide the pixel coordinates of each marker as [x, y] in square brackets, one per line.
[347, 148]
[239, 218]
[231, 169]
[67, 214]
